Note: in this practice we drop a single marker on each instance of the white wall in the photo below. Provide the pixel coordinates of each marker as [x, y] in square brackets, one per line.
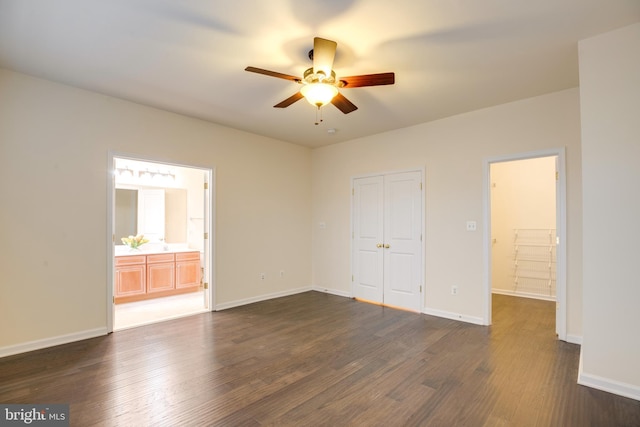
[523, 196]
[53, 219]
[610, 108]
[453, 151]
[54, 144]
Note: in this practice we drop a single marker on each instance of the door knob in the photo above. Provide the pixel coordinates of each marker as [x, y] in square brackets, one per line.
[379, 245]
[387, 246]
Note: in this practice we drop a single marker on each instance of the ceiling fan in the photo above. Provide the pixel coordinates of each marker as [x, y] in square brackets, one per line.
[319, 83]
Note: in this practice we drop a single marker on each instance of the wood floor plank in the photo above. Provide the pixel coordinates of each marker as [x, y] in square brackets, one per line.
[321, 360]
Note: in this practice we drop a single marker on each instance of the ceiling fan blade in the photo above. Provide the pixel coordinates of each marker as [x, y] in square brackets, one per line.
[290, 100]
[324, 51]
[343, 104]
[368, 80]
[273, 74]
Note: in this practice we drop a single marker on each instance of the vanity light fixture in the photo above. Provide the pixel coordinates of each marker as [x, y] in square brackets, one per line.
[145, 174]
[156, 174]
[125, 171]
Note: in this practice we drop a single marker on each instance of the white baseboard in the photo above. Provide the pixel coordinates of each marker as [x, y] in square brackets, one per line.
[453, 316]
[430, 311]
[522, 294]
[50, 342]
[605, 384]
[331, 291]
[238, 303]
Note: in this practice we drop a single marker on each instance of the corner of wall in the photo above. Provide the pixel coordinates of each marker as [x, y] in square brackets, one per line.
[605, 384]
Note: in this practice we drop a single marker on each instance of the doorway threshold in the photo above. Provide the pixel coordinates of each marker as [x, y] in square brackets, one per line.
[140, 313]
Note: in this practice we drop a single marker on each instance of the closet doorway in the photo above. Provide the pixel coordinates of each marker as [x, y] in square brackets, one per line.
[387, 243]
[168, 276]
[526, 221]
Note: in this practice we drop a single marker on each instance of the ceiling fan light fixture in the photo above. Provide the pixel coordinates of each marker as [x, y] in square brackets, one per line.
[318, 94]
[319, 83]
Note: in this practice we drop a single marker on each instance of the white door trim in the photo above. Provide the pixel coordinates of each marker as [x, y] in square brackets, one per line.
[422, 224]
[209, 277]
[561, 233]
[110, 240]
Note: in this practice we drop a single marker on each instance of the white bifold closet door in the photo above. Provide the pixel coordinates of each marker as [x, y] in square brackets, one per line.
[387, 239]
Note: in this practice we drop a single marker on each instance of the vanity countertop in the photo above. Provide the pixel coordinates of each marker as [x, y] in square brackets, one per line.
[122, 250]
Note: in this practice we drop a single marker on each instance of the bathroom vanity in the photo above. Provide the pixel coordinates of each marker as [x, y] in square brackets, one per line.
[152, 274]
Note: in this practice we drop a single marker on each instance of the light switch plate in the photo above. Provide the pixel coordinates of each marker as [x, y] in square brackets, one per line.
[472, 226]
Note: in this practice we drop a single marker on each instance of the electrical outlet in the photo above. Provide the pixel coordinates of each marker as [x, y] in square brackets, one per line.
[454, 290]
[281, 273]
[262, 276]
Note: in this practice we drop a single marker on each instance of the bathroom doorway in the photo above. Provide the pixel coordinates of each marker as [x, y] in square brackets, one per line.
[160, 222]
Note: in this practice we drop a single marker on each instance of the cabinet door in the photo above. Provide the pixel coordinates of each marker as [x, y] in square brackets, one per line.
[130, 280]
[187, 270]
[160, 277]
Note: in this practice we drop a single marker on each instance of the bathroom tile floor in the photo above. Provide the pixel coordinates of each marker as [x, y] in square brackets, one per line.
[132, 314]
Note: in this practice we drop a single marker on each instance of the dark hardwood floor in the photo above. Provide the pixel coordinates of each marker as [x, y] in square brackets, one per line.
[320, 360]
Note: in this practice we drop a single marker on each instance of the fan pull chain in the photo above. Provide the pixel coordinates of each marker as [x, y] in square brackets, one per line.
[321, 119]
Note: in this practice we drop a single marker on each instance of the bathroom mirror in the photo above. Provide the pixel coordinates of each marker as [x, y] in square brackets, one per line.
[129, 213]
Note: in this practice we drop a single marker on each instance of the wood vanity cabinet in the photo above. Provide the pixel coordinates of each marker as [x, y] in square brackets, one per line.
[187, 270]
[140, 277]
[161, 274]
[130, 276]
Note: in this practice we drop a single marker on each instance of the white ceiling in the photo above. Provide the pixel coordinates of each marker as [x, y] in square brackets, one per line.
[187, 56]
